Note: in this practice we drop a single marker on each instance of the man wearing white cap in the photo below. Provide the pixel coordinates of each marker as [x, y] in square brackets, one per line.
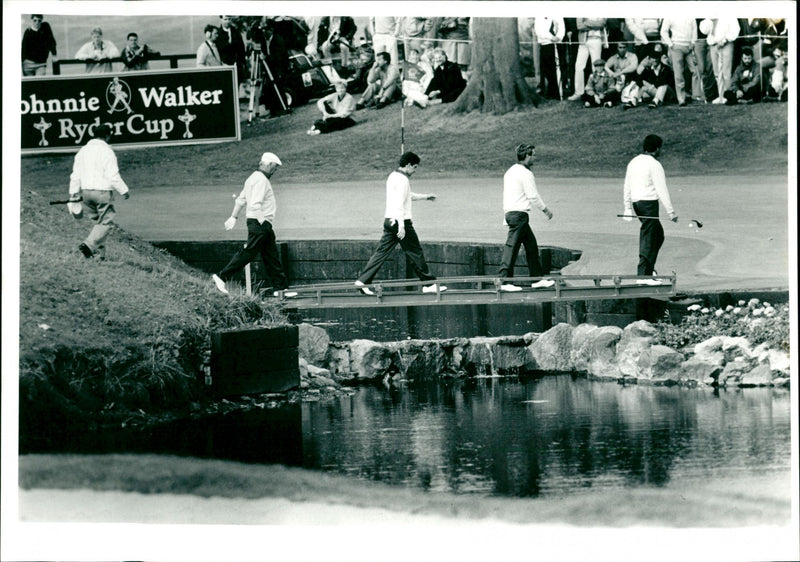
[258, 200]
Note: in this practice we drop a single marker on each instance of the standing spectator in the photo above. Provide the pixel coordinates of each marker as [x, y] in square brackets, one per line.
[258, 201]
[447, 82]
[335, 35]
[746, 81]
[591, 38]
[416, 77]
[600, 88]
[95, 177]
[519, 195]
[398, 227]
[336, 109]
[207, 53]
[615, 32]
[415, 31]
[135, 57]
[721, 33]
[37, 43]
[231, 48]
[383, 83]
[707, 85]
[646, 184]
[644, 31]
[97, 53]
[679, 35]
[622, 66]
[655, 79]
[275, 56]
[455, 35]
[384, 36]
[552, 54]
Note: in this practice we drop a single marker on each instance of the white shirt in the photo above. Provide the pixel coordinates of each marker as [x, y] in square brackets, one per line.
[208, 55]
[257, 198]
[519, 190]
[96, 167]
[549, 30]
[645, 181]
[398, 196]
[91, 54]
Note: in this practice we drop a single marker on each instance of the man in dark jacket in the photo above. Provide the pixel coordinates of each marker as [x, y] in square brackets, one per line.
[447, 82]
[37, 43]
[656, 79]
[745, 83]
[276, 57]
[231, 48]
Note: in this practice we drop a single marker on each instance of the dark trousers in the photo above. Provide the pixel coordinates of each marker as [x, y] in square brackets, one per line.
[333, 124]
[410, 245]
[651, 236]
[260, 240]
[520, 234]
[612, 96]
[547, 58]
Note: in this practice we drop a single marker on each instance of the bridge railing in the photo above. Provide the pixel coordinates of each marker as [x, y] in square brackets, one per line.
[173, 61]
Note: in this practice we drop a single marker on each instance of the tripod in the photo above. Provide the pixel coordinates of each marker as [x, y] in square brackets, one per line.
[256, 82]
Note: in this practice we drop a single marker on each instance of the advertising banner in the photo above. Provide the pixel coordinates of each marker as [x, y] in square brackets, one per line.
[144, 108]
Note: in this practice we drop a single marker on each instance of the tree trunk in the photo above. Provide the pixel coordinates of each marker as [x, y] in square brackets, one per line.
[496, 84]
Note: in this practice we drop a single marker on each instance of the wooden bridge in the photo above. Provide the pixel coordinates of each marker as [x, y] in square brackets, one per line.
[480, 290]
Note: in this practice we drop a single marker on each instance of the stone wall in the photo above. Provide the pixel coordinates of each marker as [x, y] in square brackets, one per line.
[603, 353]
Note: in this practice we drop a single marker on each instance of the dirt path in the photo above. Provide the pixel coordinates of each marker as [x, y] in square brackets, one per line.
[743, 243]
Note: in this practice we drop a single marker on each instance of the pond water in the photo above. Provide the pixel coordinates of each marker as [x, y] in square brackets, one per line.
[514, 437]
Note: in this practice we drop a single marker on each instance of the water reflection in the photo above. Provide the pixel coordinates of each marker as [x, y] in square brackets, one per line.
[527, 438]
[548, 436]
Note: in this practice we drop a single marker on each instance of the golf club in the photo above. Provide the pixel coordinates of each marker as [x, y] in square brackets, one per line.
[695, 221]
[65, 201]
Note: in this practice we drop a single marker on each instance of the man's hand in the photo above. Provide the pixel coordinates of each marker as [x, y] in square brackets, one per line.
[431, 197]
[597, 99]
[673, 217]
[126, 195]
[548, 213]
[739, 94]
[628, 215]
[401, 231]
[230, 223]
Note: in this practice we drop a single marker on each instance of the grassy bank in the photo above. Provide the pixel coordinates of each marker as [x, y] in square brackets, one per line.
[99, 339]
[571, 141]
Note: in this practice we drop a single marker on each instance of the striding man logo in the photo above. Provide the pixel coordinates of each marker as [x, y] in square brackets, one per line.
[42, 126]
[118, 93]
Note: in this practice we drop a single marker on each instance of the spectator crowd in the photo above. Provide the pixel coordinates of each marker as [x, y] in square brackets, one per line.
[599, 62]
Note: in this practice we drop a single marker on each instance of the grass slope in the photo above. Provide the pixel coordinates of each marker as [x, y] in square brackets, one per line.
[571, 141]
[127, 333]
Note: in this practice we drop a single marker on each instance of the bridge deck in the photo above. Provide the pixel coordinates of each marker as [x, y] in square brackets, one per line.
[479, 290]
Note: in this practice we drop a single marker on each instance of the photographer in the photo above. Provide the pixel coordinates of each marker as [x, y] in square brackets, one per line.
[274, 57]
[135, 57]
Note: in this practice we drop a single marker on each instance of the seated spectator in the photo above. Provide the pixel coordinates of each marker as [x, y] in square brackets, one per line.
[37, 43]
[97, 53]
[357, 82]
[426, 53]
[447, 82]
[746, 81]
[600, 88]
[416, 77]
[622, 66]
[135, 57]
[383, 83]
[336, 36]
[336, 110]
[778, 81]
[655, 79]
[207, 53]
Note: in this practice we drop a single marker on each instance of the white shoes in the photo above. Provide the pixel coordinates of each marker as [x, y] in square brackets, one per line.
[286, 294]
[718, 101]
[432, 288]
[542, 284]
[509, 288]
[574, 97]
[363, 288]
[219, 283]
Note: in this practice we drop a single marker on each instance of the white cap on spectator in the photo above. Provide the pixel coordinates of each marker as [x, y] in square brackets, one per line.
[269, 157]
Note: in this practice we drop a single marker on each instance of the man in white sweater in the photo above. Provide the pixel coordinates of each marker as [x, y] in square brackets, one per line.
[519, 195]
[645, 186]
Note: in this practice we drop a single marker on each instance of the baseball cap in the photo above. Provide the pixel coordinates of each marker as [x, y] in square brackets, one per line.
[269, 157]
[599, 62]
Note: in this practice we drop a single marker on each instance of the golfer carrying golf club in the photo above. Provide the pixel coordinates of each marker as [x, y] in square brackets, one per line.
[645, 186]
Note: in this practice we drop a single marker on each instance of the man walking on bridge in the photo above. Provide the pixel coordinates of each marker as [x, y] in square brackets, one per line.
[645, 185]
[519, 194]
[397, 227]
